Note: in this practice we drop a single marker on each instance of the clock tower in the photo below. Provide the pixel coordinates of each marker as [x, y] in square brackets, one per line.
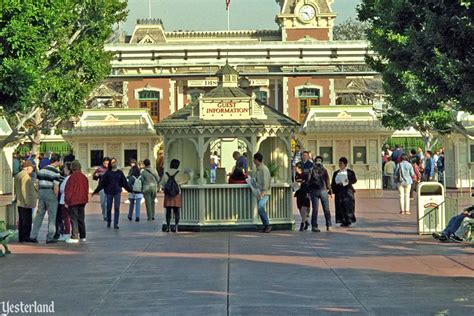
[299, 19]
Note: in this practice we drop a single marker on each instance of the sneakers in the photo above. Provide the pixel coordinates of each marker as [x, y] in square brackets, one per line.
[315, 230]
[267, 229]
[306, 225]
[32, 240]
[64, 237]
[137, 219]
[167, 229]
[51, 241]
[82, 240]
[72, 241]
[301, 227]
[407, 213]
[455, 238]
[129, 218]
[116, 226]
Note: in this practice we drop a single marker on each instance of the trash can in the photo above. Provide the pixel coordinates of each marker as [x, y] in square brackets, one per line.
[431, 205]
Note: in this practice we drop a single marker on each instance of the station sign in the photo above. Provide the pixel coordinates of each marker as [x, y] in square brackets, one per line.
[208, 82]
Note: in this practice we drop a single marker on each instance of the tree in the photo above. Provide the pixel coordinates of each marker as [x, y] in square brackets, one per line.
[350, 30]
[51, 57]
[425, 54]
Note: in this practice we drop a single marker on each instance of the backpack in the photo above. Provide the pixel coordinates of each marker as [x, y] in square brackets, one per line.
[137, 184]
[171, 188]
[316, 180]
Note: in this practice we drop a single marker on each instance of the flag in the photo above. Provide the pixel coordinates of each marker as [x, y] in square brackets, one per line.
[227, 4]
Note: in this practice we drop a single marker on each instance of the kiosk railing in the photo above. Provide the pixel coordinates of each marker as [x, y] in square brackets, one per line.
[229, 204]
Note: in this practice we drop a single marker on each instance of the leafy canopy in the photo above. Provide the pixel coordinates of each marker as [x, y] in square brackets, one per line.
[425, 54]
[52, 53]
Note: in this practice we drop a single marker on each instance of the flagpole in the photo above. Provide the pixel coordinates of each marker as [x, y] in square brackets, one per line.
[149, 9]
[228, 19]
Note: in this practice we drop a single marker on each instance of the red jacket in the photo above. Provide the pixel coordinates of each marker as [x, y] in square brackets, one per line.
[77, 190]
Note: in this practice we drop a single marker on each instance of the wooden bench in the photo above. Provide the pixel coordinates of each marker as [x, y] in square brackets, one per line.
[5, 237]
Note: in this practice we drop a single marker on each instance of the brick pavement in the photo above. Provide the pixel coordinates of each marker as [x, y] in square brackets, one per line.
[378, 267]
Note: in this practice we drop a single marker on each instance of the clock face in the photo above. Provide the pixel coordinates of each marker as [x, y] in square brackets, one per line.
[307, 12]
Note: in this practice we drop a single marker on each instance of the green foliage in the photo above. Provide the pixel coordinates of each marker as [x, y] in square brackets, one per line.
[52, 53]
[273, 168]
[350, 29]
[425, 54]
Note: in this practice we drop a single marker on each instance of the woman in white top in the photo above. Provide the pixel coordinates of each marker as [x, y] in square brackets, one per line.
[63, 212]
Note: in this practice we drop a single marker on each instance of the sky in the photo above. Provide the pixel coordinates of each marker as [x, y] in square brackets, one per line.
[211, 15]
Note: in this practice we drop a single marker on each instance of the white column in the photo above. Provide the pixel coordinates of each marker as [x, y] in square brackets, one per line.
[285, 95]
[332, 92]
[171, 100]
[180, 94]
[277, 97]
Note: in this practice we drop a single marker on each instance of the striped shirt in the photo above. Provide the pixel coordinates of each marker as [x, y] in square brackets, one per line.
[48, 177]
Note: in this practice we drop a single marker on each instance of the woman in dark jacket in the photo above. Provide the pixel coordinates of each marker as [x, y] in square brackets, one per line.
[342, 181]
[112, 182]
[302, 199]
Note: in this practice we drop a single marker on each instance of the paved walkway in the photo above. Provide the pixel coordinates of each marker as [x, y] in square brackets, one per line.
[379, 267]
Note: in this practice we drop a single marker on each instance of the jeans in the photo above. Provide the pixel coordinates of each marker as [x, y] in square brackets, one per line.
[453, 225]
[77, 215]
[134, 202]
[323, 196]
[103, 203]
[261, 209]
[404, 190]
[212, 175]
[24, 223]
[150, 194]
[47, 201]
[115, 199]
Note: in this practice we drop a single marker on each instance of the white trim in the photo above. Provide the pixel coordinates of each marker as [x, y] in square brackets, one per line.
[172, 85]
[332, 92]
[285, 95]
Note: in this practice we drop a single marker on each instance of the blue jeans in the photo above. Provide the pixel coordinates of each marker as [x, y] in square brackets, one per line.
[261, 209]
[116, 201]
[130, 209]
[103, 203]
[315, 197]
[453, 225]
[212, 175]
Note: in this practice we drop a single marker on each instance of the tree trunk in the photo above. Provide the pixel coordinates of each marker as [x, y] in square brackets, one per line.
[35, 146]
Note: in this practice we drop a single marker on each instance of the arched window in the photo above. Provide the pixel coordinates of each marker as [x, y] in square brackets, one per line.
[150, 99]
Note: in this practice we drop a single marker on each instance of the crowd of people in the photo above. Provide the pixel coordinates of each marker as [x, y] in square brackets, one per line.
[313, 185]
[406, 170]
[55, 185]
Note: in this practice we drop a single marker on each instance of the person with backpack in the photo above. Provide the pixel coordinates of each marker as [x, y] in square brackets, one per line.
[112, 182]
[151, 179]
[135, 181]
[170, 182]
[342, 181]
[320, 189]
[404, 178]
